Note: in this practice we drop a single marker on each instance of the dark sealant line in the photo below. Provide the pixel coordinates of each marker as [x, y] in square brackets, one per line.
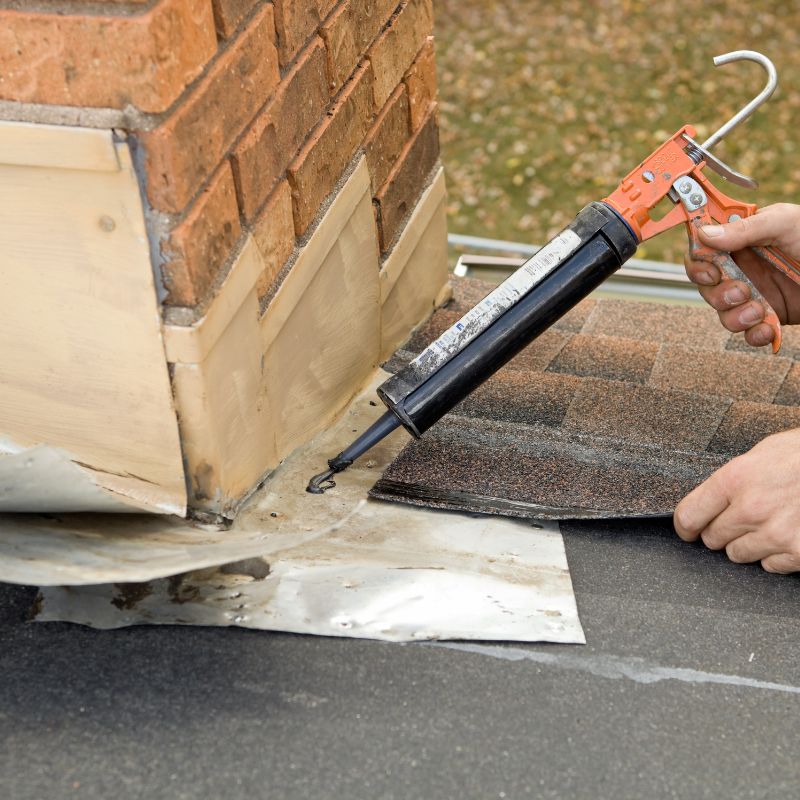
[371, 436]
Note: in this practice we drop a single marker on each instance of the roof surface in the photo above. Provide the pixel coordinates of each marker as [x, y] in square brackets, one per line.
[618, 410]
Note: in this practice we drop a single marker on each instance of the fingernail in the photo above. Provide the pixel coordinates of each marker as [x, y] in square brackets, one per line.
[705, 278]
[713, 230]
[734, 296]
[750, 315]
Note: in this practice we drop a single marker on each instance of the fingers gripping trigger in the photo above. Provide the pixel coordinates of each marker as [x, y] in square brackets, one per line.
[730, 270]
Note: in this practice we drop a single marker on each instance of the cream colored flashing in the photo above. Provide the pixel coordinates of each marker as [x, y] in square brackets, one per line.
[249, 391]
[313, 255]
[57, 147]
[83, 366]
[266, 386]
[417, 224]
[414, 276]
[224, 431]
[191, 344]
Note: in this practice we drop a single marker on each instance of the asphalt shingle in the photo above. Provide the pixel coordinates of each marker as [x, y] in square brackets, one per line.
[746, 424]
[739, 376]
[620, 409]
[607, 357]
[645, 414]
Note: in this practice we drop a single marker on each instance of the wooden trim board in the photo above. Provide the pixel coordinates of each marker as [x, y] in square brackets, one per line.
[191, 344]
[268, 385]
[83, 366]
[415, 274]
[249, 391]
[26, 144]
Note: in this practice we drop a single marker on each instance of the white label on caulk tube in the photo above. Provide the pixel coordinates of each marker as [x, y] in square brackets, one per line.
[497, 302]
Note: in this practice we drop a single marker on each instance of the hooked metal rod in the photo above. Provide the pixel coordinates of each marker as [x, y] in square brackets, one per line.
[760, 99]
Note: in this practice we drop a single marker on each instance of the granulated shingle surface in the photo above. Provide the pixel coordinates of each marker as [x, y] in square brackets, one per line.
[534, 471]
[467, 293]
[606, 357]
[645, 414]
[619, 410]
[739, 376]
[540, 352]
[790, 344]
[687, 326]
[574, 320]
[443, 319]
[745, 424]
[511, 396]
[789, 393]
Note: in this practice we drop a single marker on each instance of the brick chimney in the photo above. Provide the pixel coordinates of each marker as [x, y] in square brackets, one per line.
[243, 204]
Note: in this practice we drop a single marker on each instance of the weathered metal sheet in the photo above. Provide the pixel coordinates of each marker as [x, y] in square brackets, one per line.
[333, 564]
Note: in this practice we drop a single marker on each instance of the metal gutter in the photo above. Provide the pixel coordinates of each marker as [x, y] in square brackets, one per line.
[640, 279]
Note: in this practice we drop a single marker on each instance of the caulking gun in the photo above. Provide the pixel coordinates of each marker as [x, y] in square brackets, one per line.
[594, 245]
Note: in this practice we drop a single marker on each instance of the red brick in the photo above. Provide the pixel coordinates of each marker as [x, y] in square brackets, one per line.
[275, 136]
[397, 197]
[105, 61]
[321, 162]
[182, 152]
[229, 13]
[274, 235]
[198, 246]
[394, 51]
[349, 32]
[387, 137]
[420, 81]
[296, 21]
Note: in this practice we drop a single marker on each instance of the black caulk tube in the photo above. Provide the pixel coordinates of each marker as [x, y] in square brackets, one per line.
[592, 247]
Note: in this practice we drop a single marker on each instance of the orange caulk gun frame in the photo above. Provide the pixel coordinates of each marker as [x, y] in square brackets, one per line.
[675, 171]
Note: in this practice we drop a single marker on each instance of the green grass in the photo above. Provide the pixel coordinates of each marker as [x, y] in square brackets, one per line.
[545, 106]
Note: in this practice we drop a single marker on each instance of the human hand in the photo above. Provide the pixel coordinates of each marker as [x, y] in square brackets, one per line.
[776, 225]
[750, 506]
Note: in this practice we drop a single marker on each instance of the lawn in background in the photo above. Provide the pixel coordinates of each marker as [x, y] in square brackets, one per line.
[545, 106]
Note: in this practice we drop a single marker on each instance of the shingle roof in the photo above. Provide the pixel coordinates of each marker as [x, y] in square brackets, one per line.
[619, 409]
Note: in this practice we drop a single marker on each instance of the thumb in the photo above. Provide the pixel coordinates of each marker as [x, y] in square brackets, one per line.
[760, 229]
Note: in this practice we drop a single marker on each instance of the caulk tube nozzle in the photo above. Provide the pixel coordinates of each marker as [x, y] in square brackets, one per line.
[371, 436]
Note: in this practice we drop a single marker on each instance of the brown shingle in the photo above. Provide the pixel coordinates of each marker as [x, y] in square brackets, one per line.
[513, 396]
[566, 443]
[790, 344]
[748, 423]
[432, 328]
[789, 393]
[574, 320]
[468, 292]
[739, 376]
[527, 471]
[607, 357]
[686, 326]
[540, 352]
[645, 414]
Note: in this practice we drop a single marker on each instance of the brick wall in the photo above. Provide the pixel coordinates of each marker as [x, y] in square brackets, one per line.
[244, 114]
